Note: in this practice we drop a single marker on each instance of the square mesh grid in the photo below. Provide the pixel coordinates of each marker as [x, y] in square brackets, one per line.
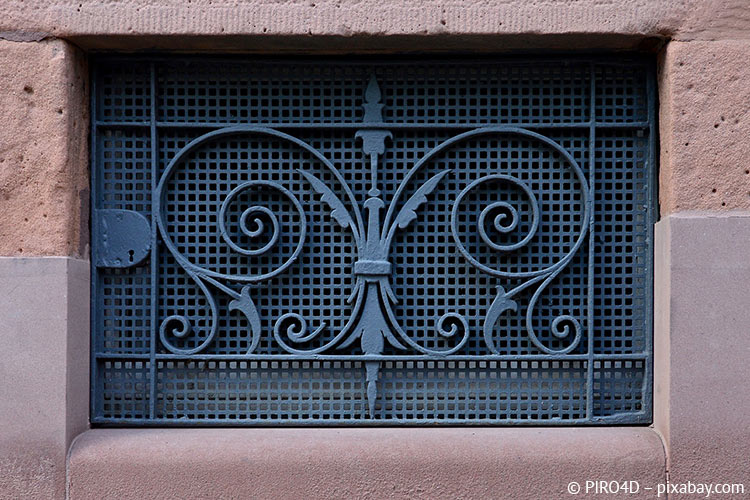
[364, 241]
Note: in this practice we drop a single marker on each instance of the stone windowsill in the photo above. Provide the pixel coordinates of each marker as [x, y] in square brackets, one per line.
[359, 462]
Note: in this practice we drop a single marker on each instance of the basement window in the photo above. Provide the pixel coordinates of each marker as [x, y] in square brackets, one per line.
[372, 240]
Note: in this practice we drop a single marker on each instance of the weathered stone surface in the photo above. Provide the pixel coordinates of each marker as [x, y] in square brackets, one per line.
[519, 463]
[705, 126]
[44, 320]
[43, 149]
[88, 21]
[701, 400]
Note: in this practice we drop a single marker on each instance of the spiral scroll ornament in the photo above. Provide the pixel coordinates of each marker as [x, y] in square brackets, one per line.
[504, 218]
[255, 232]
[256, 229]
[504, 221]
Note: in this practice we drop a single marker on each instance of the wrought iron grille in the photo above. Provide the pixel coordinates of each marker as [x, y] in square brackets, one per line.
[368, 240]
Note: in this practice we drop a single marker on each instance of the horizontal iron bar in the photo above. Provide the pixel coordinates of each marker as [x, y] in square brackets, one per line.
[333, 357]
[640, 417]
[360, 125]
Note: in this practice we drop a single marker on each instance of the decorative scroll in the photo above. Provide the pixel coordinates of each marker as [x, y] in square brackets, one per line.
[373, 324]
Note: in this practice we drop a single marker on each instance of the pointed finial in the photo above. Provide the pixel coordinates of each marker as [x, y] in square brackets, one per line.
[372, 94]
[372, 106]
[372, 368]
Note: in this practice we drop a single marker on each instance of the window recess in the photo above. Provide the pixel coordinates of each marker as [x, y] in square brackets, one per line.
[363, 241]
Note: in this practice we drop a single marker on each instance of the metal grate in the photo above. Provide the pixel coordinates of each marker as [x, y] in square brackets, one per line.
[360, 241]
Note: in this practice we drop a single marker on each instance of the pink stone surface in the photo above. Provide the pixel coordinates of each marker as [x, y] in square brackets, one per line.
[43, 149]
[44, 304]
[502, 23]
[430, 463]
[705, 126]
[662, 327]
[702, 346]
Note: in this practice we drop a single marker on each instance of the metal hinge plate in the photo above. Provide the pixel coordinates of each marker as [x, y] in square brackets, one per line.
[123, 238]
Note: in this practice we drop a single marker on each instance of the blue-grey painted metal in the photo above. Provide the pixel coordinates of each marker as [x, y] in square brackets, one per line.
[372, 241]
[123, 238]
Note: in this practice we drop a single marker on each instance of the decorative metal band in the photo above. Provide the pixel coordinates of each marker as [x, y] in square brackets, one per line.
[372, 268]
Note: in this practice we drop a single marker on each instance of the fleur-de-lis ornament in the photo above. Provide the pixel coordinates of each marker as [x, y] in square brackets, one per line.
[372, 267]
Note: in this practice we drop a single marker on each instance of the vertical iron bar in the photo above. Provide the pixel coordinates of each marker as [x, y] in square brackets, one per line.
[154, 249]
[592, 221]
[94, 190]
